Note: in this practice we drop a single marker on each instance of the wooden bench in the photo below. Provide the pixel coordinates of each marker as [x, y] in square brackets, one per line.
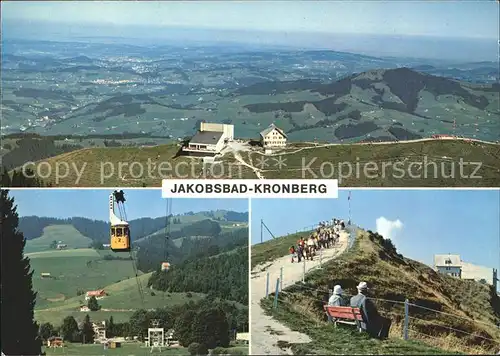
[344, 315]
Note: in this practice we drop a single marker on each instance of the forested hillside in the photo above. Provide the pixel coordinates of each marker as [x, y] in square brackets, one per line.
[224, 276]
[157, 249]
[98, 230]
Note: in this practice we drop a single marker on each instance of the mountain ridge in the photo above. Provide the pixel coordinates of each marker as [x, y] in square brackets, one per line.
[459, 315]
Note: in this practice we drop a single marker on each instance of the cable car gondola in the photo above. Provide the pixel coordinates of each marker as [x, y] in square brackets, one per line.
[120, 232]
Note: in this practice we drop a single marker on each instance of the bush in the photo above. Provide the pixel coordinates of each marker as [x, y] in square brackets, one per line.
[197, 349]
[189, 295]
[220, 351]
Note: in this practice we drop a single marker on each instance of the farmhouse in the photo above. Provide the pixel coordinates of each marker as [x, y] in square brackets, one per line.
[55, 342]
[243, 337]
[61, 246]
[273, 137]
[98, 294]
[84, 308]
[453, 266]
[210, 139]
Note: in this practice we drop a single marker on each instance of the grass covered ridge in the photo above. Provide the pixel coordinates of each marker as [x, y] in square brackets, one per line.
[275, 248]
[470, 329]
[162, 162]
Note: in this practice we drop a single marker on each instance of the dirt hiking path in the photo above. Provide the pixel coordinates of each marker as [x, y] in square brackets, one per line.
[266, 331]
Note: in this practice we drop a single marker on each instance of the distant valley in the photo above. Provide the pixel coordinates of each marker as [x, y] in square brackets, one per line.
[152, 95]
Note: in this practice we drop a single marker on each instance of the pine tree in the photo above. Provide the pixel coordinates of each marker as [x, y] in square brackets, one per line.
[19, 330]
[211, 328]
[111, 327]
[183, 329]
[69, 329]
[46, 331]
[87, 331]
[92, 304]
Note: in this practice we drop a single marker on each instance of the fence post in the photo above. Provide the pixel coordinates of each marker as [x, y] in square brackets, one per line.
[267, 285]
[304, 272]
[276, 293]
[281, 279]
[405, 329]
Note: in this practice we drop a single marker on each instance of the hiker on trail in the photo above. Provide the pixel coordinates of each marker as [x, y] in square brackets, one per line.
[336, 300]
[300, 249]
[373, 323]
[292, 252]
[300, 253]
[310, 248]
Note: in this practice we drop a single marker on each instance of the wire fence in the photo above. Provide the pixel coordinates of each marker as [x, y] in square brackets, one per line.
[405, 311]
[400, 310]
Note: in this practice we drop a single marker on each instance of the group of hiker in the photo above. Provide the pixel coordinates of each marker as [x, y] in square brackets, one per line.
[373, 323]
[326, 235]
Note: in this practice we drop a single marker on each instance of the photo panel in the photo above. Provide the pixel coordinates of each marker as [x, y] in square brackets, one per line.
[376, 271]
[123, 272]
[388, 94]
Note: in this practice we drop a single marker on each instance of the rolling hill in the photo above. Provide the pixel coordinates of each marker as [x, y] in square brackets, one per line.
[68, 234]
[447, 315]
[74, 271]
[78, 268]
[297, 157]
[383, 105]
[41, 231]
[122, 300]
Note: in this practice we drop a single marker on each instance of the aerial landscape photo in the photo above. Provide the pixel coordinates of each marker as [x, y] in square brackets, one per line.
[248, 90]
[405, 278]
[103, 272]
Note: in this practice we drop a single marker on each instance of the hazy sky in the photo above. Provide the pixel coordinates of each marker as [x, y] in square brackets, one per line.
[93, 203]
[420, 222]
[474, 19]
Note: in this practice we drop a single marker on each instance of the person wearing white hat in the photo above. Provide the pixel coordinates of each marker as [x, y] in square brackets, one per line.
[373, 323]
[336, 300]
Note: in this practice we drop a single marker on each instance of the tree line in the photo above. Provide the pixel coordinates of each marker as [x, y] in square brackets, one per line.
[224, 276]
[98, 230]
[157, 249]
[19, 179]
[209, 323]
[34, 149]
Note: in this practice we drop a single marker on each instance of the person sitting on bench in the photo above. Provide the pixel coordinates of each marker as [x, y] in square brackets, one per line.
[373, 323]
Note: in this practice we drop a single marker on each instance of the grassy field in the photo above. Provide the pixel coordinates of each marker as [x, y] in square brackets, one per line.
[123, 298]
[102, 165]
[375, 165]
[328, 340]
[128, 349]
[65, 233]
[72, 271]
[275, 248]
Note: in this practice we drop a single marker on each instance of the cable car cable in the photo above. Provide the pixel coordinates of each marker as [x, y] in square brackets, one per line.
[119, 198]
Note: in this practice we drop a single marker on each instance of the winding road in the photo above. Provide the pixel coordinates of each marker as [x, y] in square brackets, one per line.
[266, 331]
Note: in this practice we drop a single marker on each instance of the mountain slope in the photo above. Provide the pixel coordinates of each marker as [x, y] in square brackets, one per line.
[464, 320]
[35, 227]
[387, 105]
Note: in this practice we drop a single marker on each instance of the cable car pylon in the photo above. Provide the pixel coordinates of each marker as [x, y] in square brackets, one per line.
[262, 226]
[349, 200]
